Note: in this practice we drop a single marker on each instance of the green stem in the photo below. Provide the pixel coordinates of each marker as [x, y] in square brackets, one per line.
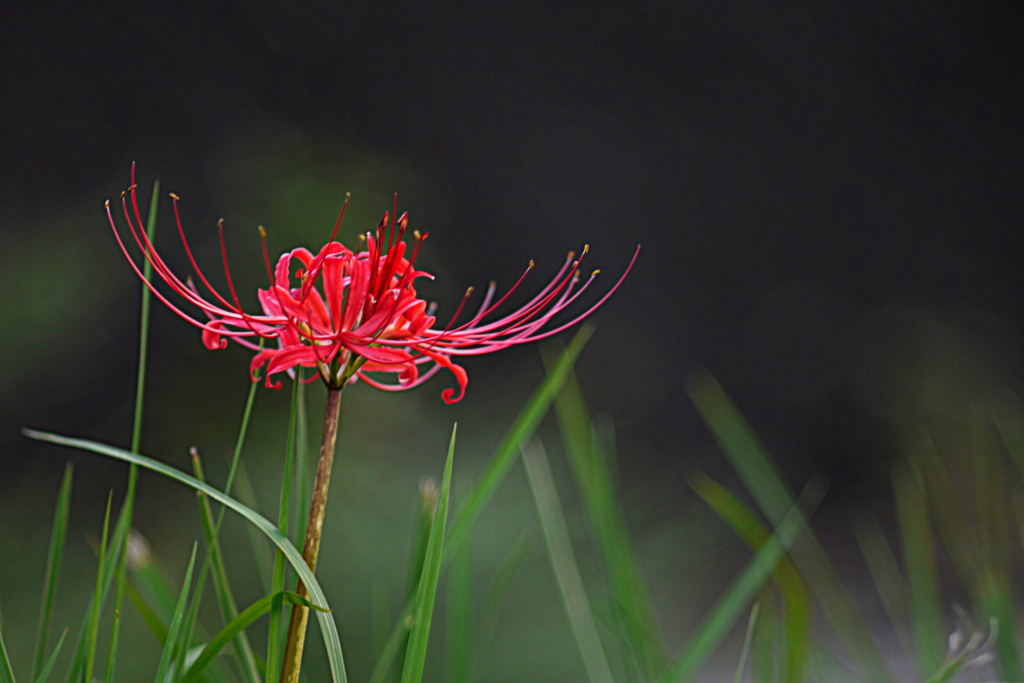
[314, 528]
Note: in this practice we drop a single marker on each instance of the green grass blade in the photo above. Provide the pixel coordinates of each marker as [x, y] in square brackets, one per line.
[214, 561]
[416, 652]
[277, 582]
[594, 479]
[919, 556]
[730, 604]
[328, 628]
[249, 615]
[58, 534]
[885, 574]
[563, 561]
[797, 609]
[44, 673]
[172, 632]
[759, 474]
[517, 436]
[748, 638]
[97, 599]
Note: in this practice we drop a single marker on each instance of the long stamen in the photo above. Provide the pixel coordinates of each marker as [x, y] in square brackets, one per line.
[266, 256]
[231, 284]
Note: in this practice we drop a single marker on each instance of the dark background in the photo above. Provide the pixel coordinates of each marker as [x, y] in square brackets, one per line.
[828, 196]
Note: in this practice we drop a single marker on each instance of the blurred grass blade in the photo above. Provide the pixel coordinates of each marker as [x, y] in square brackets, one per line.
[885, 573]
[593, 475]
[416, 652]
[97, 598]
[6, 672]
[214, 564]
[919, 557]
[730, 604]
[517, 436]
[58, 534]
[747, 640]
[460, 619]
[172, 631]
[421, 539]
[328, 628]
[491, 608]
[277, 581]
[796, 604]
[563, 561]
[759, 474]
[237, 625]
[44, 673]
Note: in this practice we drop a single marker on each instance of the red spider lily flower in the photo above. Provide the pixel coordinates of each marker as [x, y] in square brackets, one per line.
[356, 314]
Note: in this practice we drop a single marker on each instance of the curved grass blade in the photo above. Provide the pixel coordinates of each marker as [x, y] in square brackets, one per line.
[731, 603]
[44, 673]
[416, 653]
[6, 672]
[249, 615]
[327, 626]
[172, 631]
[563, 562]
[58, 534]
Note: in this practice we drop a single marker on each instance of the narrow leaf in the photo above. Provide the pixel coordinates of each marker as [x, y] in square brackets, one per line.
[44, 673]
[416, 653]
[172, 632]
[58, 534]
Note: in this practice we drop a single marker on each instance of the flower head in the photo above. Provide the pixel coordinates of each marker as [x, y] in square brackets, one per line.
[356, 315]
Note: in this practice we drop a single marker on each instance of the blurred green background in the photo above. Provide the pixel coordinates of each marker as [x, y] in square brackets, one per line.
[828, 197]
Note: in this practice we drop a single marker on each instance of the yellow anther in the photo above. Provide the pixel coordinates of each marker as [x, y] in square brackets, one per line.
[531, 264]
[469, 291]
[263, 232]
[416, 234]
[123, 194]
[362, 237]
[220, 223]
[571, 256]
[595, 272]
[348, 196]
[586, 248]
[175, 197]
[106, 204]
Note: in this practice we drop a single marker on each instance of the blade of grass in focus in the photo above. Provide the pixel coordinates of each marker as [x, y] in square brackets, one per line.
[715, 626]
[172, 631]
[328, 629]
[97, 598]
[563, 561]
[58, 535]
[44, 673]
[277, 582]
[592, 473]
[245, 618]
[416, 653]
[919, 557]
[796, 604]
[518, 434]
[759, 474]
[214, 564]
[418, 549]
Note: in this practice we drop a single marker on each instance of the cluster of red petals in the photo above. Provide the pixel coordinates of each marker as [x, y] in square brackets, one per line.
[356, 314]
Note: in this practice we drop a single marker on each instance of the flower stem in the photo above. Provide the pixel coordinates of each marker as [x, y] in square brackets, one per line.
[300, 615]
